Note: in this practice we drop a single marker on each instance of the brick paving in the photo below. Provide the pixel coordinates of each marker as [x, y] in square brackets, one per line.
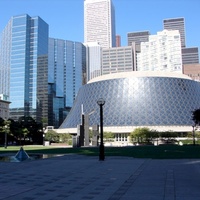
[77, 177]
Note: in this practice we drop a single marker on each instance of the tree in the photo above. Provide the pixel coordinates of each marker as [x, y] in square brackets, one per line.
[108, 136]
[141, 135]
[196, 117]
[1, 130]
[6, 130]
[32, 129]
[65, 138]
[52, 136]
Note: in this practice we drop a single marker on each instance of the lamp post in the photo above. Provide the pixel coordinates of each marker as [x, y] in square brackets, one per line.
[5, 144]
[193, 134]
[101, 102]
[43, 137]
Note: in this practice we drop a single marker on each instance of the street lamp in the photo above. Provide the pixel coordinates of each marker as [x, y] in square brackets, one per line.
[101, 102]
[5, 144]
[193, 134]
[43, 137]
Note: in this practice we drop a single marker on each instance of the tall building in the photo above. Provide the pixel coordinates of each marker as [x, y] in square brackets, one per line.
[66, 69]
[23, 56]
[192, 70]
[161, 53]
[118, 41]
[190, 55]
[117, 59]
[138, 37]
[99, 22]
[93, 60]
[40, 75]
[176, 24]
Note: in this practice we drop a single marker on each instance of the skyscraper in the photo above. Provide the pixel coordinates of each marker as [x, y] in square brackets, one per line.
[176, 24]
[117, 59]
[66, 69]
[118, 41]
[190, 55]
[93, 60]
[161, 53]
[99, 22]
[138, 37]
[24, 66]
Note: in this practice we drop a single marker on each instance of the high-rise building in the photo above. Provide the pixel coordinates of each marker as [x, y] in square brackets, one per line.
[93, 60]
[161, 53]
[99, 22]
[117, 59]
[118, 41]
[192, 70]
[41, 75]
[66, 69]
[190, 55]
[23, 64]
[138, 37]
[176, 24]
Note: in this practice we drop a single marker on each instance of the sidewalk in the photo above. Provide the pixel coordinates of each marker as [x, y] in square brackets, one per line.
[77, 177]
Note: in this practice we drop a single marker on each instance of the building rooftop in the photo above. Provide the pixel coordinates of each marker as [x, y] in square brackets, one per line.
[139, 74]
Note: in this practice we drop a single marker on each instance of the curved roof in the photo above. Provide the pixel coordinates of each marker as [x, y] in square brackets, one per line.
[132, 74]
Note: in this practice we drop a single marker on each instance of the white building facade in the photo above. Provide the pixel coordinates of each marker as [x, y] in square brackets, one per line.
[99, 22]
[93, 60]
[161, 53]
[117, 59]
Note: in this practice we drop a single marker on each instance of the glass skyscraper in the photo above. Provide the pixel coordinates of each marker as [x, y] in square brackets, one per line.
[41, 75]
[24, 51]
[66, 74]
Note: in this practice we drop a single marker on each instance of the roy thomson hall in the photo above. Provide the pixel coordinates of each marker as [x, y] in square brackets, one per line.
[161, 101]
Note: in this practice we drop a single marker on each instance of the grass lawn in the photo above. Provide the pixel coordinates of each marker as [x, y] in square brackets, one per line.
[154, 152]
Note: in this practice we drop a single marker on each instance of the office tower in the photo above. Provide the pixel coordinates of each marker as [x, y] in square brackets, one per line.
[93, 60]
[161, 53]
[66, 69]
[192, 70]
[117, 59]
[190, 55]
[138, 37]
[99, 22]
[118, 41]
[5, 50]
[24, 51]
[176, 24]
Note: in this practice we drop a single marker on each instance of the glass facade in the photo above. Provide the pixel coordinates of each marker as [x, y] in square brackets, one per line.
[27, 47]
[65, 77]
[138, 101]
[5, 50]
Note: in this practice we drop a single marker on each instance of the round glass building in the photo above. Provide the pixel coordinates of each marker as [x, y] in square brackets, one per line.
[158, 100]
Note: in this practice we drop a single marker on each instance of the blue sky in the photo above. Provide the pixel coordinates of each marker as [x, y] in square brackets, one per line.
[65, 17]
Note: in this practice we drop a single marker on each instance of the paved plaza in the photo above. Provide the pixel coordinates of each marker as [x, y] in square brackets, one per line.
[77, 177]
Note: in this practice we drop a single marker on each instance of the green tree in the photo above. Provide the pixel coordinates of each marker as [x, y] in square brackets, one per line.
[65, 138]
[5, 128]
[108, 136]
[1, 130]
[196, 117]
[143, 134]
[35, 129]
[52, 136]
[139, 134]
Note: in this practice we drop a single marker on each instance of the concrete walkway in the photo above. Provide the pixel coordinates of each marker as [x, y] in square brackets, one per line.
[77, 177]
